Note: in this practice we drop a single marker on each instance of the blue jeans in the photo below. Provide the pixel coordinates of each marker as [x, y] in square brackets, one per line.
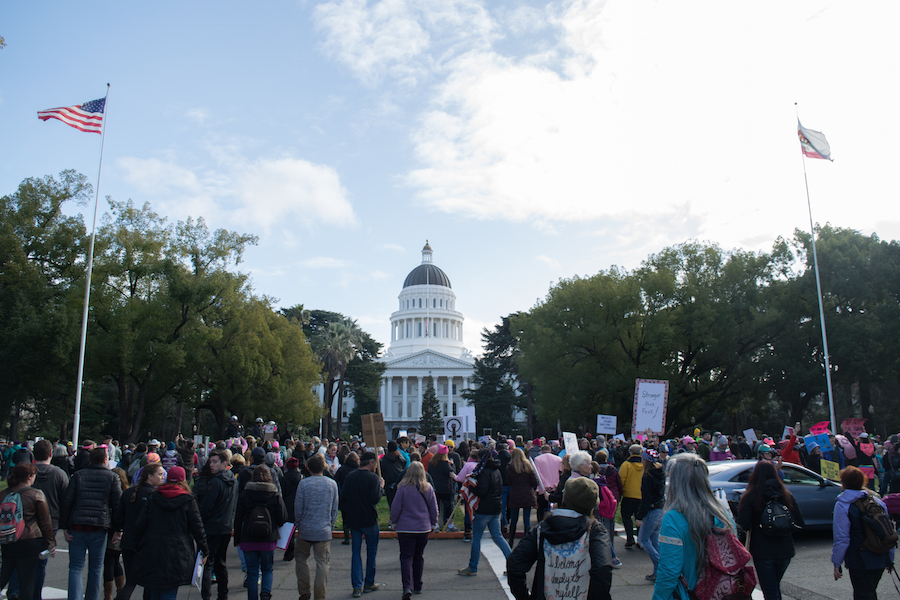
[492, 522]
[256, 560]
[770, 572]
[94, 544]
[504, 499]
[610, 525]
[648, 535]
[356, 569]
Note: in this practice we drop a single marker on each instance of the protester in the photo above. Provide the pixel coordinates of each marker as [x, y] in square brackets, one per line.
[722, 451]
[350, 464]
[650, 512]
[548, 467]
[113, 573]
[771, 555]
[289, 484]
[414, 514]
[165, 534]
[572, 522]
[130, 506]
[392, 465]
[216, 492]
[488, 489]
[87, 519]
[692, 512]
[522, 482]
[22, 555]
[361, 492]
[866, 568]
[441, 472]
[631, 472]
[315, 512]
[260, 512]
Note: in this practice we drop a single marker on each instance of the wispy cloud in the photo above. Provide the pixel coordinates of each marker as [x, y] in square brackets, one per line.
[393, 247]
[322, 262]
[198, 115]
[551, 262]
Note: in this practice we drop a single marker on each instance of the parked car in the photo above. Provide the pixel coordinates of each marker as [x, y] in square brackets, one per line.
[815, 495]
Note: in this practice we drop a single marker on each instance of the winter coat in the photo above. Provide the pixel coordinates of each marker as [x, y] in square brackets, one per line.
[246, 475]
[613, 481]
[441, 473]
[717, 455]
[677, 557]
[165, 533]
[289, 484]
[412, 511]
[255, 494]
[521, 488]
[35, 514]
[653, 490]
[749, 518]
[561, 526]
[391, 467]
[53, 481]
[344, 470]
[127, 513]
[631, 472]
[218, 501]
[848, 535]
[360, 494]
[92, 496]
[503, 457]
[489, 489]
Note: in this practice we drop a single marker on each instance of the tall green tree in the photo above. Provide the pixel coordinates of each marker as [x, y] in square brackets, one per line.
[432, 420]
[363, 381]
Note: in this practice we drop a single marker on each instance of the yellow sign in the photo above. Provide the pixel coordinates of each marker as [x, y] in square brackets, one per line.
[830, 470]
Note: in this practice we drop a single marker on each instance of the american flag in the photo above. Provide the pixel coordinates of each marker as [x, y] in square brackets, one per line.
[83, 117]
[467, 493]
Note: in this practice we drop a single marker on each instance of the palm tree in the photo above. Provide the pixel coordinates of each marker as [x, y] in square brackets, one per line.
[343, 340]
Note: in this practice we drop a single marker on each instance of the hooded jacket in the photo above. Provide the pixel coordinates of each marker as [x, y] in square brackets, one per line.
[489, 489]
[165, 533]
[749, 518]
[653, 490]
[127, 513]
[847, 532]
[561, 526]
[631, 472]
[258, 493]
[391, 467]
[218, 501]
[53, 481]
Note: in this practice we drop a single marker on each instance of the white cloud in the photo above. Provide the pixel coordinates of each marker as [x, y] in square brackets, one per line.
[198, 115]
[394, 247]
[551, 262]
[262, 193]
[322, 262]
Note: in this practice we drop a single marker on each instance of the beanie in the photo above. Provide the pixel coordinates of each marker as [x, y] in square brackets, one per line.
[581, 495]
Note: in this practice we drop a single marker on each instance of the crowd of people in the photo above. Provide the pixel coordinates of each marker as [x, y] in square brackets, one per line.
[140, 515]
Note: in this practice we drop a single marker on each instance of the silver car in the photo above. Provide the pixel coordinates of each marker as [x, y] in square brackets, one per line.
[815, 495]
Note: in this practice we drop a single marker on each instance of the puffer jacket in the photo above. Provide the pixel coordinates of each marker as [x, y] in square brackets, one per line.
[218, 501]
[631, 472]
[561, 526]
[847, 532]
[489, 489]
[91, 497]
[165, 533]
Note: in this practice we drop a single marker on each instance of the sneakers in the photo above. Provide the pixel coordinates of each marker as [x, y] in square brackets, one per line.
[616, 563]
[372, 588]
[357, 593]
[467, 571]
[452, 527]
[629, 544]
[467, 536]
[407, 595]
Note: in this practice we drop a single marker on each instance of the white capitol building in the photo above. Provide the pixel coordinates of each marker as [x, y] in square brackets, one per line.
[426, 340]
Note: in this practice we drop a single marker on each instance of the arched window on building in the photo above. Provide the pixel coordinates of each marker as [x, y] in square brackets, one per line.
[420, 330]
[420, 303]
[454, 409]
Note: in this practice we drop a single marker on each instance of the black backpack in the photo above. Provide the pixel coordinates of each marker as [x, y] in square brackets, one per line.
[777, 520]
[259, 524]
[881, 535]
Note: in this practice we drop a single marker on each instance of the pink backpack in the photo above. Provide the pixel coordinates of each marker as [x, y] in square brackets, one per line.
[728, 575]
[607, 506]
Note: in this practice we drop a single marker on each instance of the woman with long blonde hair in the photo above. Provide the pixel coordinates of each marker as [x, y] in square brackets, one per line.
[521, 479]
[414, 513]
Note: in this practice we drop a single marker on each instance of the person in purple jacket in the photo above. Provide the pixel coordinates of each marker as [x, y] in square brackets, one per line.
[866, 568]
[414, 514]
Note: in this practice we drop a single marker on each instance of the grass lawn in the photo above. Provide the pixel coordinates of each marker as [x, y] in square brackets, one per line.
[384, 517]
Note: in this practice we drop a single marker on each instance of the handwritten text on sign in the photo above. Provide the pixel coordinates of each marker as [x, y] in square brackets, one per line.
[650, 398]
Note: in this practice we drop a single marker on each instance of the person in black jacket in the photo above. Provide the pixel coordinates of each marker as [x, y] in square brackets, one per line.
[216, 492]
[441, 470]
[165, 533]
[258, 456]
[650, 511]
[503, 457]
[289, 484]
[489, 491]
[360, 494]
[564, 525]
[351, 463]
[392, 465]
[132, 503]
[92, 496]
[771, 555]
[255, 539]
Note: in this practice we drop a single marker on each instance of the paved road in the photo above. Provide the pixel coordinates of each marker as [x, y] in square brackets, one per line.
[808, 578]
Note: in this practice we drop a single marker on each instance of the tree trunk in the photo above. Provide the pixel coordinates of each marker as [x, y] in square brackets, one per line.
[340, 401]
[327, 400]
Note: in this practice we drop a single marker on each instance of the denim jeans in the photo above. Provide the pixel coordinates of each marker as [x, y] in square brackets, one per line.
[610, 525]
[492, 522]
[256, 560]
[94, 544]
[648, 535]
[356, 568]
[769, 572]
[504, 500]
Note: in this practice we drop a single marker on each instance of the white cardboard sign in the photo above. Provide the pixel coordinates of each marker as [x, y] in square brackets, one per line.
[651, 397]
[606, 424]
[571, 442]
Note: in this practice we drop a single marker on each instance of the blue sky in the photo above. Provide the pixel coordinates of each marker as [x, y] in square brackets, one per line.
[528, 141]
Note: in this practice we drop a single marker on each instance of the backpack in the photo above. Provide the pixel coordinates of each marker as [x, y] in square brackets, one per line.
[567, 567]
[777, 520]
[12, 520]
[881, 535]
[135, 464]
[259, 523]
[728, 575]
[607, 506]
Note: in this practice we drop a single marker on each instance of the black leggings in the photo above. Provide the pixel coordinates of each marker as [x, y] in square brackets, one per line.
[22, 557]
[112, 566]
[445, 504]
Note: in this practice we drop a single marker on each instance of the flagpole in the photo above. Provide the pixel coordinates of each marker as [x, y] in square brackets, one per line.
[812, 231]
[87, 286]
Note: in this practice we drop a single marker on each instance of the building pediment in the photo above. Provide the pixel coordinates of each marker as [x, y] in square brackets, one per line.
[427, 359]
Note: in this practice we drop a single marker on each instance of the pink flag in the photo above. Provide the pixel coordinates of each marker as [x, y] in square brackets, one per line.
[819, 428]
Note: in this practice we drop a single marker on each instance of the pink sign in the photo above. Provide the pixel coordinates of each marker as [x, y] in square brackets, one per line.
[853, 426]
[820, 427]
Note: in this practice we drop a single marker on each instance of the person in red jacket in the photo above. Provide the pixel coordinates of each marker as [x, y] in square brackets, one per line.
[788, 453]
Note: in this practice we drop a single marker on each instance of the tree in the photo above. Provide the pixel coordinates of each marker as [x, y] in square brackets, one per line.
[432, 420]
[363, 381]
